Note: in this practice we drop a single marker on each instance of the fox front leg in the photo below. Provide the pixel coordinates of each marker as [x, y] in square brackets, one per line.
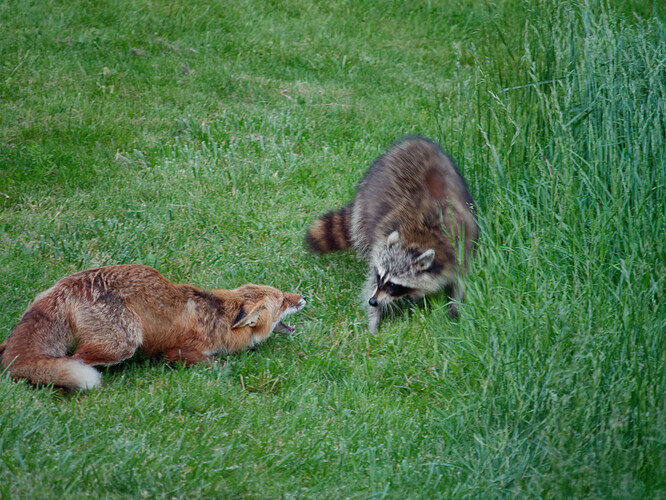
[187, 356]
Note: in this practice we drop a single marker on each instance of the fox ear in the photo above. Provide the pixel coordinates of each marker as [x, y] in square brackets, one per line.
[246, 318]
[393, 239]
[424, 261]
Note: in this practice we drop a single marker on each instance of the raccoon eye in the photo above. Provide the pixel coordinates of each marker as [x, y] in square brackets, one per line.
[395, 290]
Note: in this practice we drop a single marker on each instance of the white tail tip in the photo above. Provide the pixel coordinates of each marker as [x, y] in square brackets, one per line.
[84, 376]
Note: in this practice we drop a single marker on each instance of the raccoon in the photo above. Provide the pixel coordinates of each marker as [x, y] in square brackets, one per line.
[413, 221]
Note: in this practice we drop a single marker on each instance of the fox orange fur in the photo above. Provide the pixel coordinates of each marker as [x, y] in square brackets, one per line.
[102, 316]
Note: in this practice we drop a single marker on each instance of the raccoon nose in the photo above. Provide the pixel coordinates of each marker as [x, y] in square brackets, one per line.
[373, 302]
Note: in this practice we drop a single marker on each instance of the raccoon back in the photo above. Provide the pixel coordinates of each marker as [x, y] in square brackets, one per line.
[410, 185]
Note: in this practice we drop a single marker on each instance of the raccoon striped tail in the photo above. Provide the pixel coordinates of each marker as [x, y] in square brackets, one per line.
[331, 231]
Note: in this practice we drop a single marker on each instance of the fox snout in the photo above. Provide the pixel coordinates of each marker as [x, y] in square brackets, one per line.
[302, 299]
[292, 303]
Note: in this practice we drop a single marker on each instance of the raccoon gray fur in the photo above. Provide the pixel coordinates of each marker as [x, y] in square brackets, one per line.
[412, 220]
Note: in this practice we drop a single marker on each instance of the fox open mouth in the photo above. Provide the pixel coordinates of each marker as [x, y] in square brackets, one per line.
[284, 328]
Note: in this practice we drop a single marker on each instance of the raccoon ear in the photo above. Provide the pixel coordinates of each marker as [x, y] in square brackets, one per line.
[246, 318]
[393, 239]
[424, 261]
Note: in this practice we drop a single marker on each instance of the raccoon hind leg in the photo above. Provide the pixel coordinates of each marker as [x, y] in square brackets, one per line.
[456, 293]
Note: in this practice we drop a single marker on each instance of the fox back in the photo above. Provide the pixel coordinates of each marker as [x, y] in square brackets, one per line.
[412, 220]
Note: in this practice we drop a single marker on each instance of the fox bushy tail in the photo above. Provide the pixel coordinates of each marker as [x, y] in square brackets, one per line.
[331, 231]
[25, 354]
[61, 372]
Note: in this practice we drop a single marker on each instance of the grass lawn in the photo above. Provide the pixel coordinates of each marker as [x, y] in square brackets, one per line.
[202, 138]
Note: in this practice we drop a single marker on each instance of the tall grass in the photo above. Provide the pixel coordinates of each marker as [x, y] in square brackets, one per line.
[574, 207]
[202, 139]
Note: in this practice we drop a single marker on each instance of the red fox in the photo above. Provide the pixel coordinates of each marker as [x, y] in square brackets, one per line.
[102, 316]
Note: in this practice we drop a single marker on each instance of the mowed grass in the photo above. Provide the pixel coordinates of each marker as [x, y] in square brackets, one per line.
[203, 138]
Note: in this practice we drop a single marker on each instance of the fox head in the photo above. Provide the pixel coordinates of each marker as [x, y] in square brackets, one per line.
[403, 271]
[264, 308]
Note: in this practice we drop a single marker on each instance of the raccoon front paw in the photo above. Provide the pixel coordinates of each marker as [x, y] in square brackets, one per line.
[374, 318]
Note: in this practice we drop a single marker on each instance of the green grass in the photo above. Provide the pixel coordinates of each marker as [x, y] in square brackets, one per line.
[203, 138]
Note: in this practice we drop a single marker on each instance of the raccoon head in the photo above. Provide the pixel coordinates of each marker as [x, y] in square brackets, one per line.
[402, 272]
